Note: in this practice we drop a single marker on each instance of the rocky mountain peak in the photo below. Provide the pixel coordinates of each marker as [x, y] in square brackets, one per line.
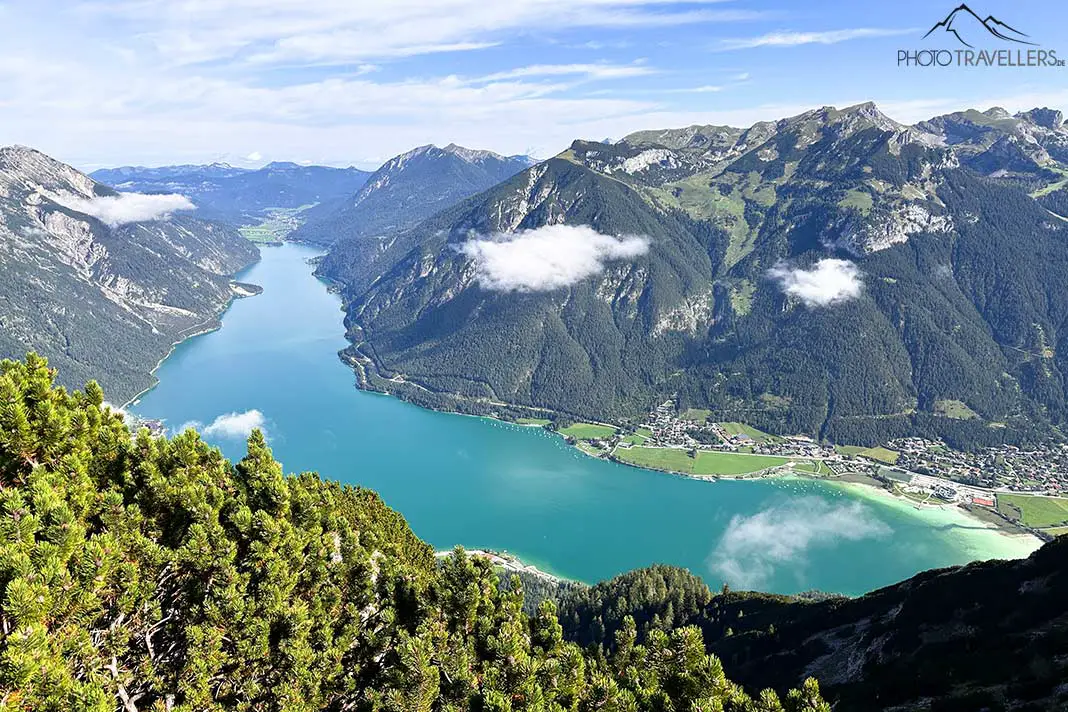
[996, 112]
[1044, 117]
[471, 155]
[30, 171]
[696, 136]
[858, 116]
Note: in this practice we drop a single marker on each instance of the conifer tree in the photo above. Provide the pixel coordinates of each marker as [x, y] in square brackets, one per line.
[146, 574]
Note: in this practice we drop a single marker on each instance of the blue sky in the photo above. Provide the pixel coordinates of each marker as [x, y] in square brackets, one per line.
[109, 82]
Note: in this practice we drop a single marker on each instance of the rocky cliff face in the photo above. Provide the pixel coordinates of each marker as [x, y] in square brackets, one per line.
[101, 282]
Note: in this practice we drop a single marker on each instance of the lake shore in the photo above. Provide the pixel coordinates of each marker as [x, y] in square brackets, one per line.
[510, 563]
[203, 329]
[239, 290]
[502, 488]
[1010, 541]
[1016, 539]
[1007, 543]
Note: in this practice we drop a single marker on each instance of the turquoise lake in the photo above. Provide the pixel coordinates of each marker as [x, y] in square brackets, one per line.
[487, 484]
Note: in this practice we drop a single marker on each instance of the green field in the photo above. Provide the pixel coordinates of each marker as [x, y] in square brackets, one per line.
[278, 223]
[590, 449]
[814, 467]
[1057, 531]
[588, 431]
[743, 429]
[1052, 187]
[873, 453]
[533, 421]
[639, 436]
[860, 200]
[698, 415]
[707, 463]
[1034, 511]
[954, 409]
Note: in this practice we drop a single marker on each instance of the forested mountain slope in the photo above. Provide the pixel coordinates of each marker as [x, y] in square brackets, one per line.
[585, 347]
[986, 636]
[104, 283]
[141, 573]
[834, 273]
[238, 195]
[405, 190]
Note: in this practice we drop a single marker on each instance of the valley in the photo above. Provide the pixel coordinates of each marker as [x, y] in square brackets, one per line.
[511, 487]
[584, 356]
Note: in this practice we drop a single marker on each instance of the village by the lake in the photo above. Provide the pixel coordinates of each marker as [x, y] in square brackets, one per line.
[1019, 490]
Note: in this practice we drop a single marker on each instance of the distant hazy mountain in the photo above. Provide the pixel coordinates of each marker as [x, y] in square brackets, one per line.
[103, 283]
[832, 273]
[409, 188]
[240, 195]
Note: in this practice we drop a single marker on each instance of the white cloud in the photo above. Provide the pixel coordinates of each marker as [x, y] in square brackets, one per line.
[827, 282]
[254, 157]
[589, 71]
[101, 85]
[115, 210]
[794, 39]
[341, 31]
[235, 425]
[704, 89]
[753, 549]
[547, 258]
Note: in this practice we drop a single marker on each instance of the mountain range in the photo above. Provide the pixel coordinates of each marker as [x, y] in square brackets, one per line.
[405, 190]
[146, 260]
[104, 282]
[833, 273]
[238, 195]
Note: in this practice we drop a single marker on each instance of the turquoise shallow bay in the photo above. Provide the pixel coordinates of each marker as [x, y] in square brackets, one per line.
[483, 483]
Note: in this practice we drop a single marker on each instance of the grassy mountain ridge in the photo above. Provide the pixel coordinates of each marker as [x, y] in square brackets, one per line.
[959, 295]
[142, 573]
[102, 300]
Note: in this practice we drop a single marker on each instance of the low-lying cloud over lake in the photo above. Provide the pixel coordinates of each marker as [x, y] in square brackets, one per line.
[827, 282]
[115, 210]
[754, 548]
[547, 258]
[231, 426]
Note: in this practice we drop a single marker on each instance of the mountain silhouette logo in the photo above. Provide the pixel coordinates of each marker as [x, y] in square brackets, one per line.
[963, 23]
